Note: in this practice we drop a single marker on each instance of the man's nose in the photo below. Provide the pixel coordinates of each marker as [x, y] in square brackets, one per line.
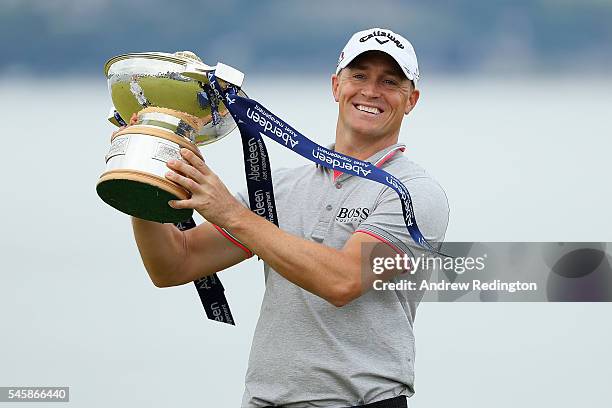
[370, 89]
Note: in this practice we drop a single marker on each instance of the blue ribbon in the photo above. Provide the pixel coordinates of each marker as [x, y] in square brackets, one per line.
[210, 289]
[255, 121]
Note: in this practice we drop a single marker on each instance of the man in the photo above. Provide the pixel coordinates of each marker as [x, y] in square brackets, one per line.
[324, 338]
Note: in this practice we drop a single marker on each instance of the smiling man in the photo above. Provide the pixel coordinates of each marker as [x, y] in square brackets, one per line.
[324, 338]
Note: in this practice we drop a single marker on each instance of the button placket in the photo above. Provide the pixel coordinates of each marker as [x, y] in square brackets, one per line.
[334, 193]
[334, 196]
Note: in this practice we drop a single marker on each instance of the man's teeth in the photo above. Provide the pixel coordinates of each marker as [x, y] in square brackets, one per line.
[368, 109]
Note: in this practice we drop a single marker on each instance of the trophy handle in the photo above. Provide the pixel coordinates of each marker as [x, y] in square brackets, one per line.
[194, 72]
[229, 74]
[222, 71]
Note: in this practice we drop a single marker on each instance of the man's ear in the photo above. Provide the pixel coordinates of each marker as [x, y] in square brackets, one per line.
[335, 81]
[412, 101]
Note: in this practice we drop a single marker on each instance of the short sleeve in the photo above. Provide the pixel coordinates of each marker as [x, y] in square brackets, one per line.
[431, 210]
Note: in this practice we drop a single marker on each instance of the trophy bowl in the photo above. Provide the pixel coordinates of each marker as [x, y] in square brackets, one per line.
[175, 108]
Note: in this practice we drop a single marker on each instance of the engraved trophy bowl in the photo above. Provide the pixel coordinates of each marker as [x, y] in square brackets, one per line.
[176, 108]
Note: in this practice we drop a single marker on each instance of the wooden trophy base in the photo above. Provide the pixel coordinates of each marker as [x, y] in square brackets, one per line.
[142, 195]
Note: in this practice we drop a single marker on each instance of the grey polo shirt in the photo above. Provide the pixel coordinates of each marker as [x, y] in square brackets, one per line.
[309, 353]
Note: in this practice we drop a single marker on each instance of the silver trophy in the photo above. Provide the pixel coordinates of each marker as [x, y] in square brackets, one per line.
[175, 107]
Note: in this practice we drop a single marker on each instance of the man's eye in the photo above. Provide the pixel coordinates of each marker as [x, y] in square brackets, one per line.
[358, 76]
[390, 82]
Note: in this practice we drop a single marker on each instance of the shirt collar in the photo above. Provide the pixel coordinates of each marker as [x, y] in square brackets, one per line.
[378, 159]
[381, 157]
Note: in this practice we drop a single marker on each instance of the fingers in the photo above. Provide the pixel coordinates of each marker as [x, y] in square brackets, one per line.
[186, 182]
[180, 204]
[190, 174]
[184, 169]
[195, 161]
[194, 168]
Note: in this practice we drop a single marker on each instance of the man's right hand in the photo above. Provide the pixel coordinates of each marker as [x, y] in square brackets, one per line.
[173, 257]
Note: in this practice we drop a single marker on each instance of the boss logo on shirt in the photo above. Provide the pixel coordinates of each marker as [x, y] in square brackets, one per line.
[352, 214]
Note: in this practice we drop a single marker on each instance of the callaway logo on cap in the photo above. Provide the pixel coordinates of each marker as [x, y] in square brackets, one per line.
[379, 39]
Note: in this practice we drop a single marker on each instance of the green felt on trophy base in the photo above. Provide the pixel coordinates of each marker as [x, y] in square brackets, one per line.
[141, 200]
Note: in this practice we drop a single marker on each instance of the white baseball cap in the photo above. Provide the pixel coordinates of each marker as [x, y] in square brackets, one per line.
[381, 39]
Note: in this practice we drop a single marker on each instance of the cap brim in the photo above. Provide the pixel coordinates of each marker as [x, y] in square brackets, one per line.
[346, 61]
